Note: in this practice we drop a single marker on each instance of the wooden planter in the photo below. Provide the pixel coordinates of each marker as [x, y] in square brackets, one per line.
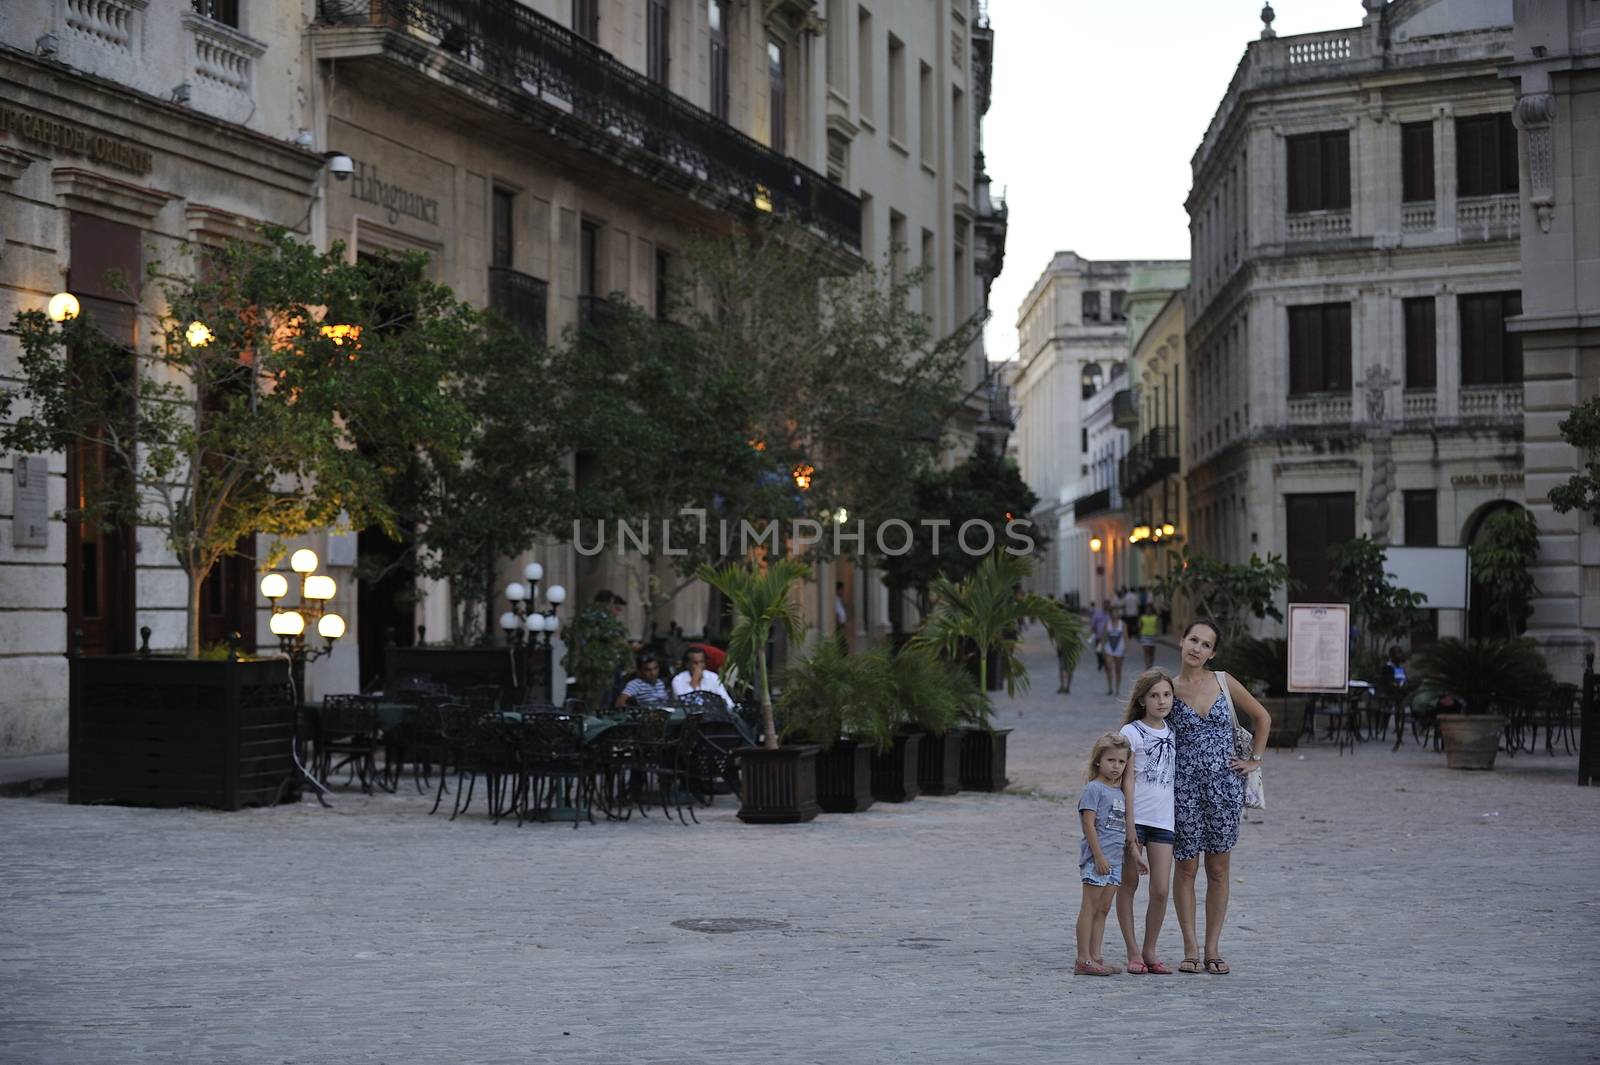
[1288, 719]
[460, 668]
[939, 762]
[1471, 740]
[777, 787]
[844, 777]
[894, 772]
[156, 731]
[983, 759]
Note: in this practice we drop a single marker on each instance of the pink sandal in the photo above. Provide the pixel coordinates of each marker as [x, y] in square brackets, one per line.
[1089, 968]
[1137, 968]
[1156, 968]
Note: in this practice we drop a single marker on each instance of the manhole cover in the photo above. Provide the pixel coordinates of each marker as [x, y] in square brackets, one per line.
[728, 924]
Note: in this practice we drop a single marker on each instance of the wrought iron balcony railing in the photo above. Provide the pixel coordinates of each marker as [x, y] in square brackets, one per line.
[1092, 504]
[522, 299]
[1147, 463]
[548, 62]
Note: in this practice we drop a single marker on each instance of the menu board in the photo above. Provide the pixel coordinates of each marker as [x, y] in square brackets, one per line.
[1319, 647]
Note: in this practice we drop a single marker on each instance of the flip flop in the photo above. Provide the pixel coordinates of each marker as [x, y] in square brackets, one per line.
[1156, 968]
[1138, 968]
[1217, 967]
[1190, 966]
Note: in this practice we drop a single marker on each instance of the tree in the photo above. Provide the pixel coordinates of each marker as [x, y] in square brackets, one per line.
[1505, 550]
[761, 594]
[1581, 429]
[986, 611]
[1229, 594]
[1383, 612]
[285, 392]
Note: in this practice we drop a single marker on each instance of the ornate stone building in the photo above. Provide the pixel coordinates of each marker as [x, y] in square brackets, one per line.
[1354, 219]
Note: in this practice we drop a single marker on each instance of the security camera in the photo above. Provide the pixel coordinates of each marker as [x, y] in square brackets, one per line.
[340, 165]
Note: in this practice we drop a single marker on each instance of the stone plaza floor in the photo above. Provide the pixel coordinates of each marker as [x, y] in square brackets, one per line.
[1384, 909]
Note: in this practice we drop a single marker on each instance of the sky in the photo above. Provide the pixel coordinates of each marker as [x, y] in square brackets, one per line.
[1097, 108]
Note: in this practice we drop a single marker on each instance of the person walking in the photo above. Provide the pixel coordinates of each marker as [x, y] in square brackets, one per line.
[1130, 609]
[1148, 622]
[1115, 648]
[1097, 632]
[1208, 788]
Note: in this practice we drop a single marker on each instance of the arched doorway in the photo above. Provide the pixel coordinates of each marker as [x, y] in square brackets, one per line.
[1484, 621]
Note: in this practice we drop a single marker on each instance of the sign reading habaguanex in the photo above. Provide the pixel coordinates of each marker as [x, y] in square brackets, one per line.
[69, 137]
[395, 201]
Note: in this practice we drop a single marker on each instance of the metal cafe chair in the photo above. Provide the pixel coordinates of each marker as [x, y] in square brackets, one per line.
[553, 768]
[348, 725]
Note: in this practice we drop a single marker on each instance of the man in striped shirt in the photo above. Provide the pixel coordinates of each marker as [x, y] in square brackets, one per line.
[646, 688]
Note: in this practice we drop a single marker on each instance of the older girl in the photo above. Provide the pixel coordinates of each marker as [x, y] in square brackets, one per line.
[1208, 787]
[1154, 762]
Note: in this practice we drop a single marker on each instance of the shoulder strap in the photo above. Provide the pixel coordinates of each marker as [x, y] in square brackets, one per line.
[1227, 697]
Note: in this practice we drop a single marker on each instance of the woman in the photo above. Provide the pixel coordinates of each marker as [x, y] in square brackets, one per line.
[1208, 787]
[1115, 648]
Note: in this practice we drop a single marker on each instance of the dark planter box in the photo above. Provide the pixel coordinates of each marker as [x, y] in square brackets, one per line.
[460, 668]
[939, 762]
[983, 759]
[844, 777]
[153, 731]
[894, 772]
[777, 787]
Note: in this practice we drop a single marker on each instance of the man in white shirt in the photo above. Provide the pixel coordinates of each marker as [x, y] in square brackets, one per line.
[697, 678]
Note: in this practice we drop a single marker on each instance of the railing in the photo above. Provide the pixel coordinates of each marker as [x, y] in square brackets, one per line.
[1091, 504]
[1420, 404]
[524, 300]
[1319, 48]
[1491, 402]
[595, 312]
[546, 60]
[1489, 212]
[1416, 217]
[1318, 225]
[1326, 408]
[1150, 461]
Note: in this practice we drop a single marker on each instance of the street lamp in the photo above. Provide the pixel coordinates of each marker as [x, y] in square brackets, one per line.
[524, 623]
[289, 623]
[63, 307]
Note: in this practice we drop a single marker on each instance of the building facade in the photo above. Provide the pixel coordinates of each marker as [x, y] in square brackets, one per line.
[1152, 474]
[1354, 219]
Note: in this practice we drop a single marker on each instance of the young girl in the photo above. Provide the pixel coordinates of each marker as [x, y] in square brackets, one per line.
[1103, 812]
[1154, 762]
[1149, 622]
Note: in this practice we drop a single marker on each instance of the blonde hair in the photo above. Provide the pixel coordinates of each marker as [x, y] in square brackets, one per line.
[1141, 687]
[1110, 741]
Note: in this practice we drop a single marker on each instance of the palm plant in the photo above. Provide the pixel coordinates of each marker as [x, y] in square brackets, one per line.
[831, 693]
[925, 692]
[987, 609]
[1488, 676]
[760, 595]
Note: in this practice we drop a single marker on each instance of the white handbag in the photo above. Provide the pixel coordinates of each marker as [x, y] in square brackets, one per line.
[1255, 796]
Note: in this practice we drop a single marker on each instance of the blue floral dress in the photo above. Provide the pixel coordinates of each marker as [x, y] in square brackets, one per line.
[1208, 797]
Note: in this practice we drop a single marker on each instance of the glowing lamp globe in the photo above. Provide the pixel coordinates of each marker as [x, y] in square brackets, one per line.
[516, 592]
[330, 626]
[318, 587]
[535, 623]
[557, 595]
[508, 621]
[533, 573]
[303, 561]
[63, 307]
[289, 623]
[274, 586]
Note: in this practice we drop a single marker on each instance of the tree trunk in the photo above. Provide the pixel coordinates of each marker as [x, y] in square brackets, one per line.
[768, 726]
[193, 620]
[490, 622]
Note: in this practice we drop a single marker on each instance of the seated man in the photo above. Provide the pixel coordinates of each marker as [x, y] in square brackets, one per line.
[645, 687]
[696, 677]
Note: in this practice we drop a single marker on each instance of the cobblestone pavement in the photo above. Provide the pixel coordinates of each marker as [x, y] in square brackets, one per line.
[1384, 910]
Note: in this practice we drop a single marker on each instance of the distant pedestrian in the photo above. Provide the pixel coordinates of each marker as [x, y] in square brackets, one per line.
[1130, 609]
[1116, 648]
[1148, 623]
[1103, 813]
[1151, 774]
[1065, 687]
[1097, 632]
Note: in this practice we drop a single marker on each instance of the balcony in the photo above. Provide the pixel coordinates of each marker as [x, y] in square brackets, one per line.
[1149, 462]
[1094, 503]
[1320, 408]
[1318, 225]
[1125, 408]
[557, 78]
[596, 312]
[1498, 403]
[1489, 217]
[521, 299]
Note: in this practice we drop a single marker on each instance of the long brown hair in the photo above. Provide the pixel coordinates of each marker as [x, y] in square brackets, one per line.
[1141, 687]
[1110, 741]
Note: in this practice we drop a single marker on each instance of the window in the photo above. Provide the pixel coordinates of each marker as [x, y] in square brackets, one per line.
[837, 49]
[1416, 162]
[1486, 155]
[897, 90]
[960, 154]
[502, 226]
[775, 100]
[929, 259]
[1091, 306]
[1319, 171]
[223, 11]
[838, 158]
[1316, 524]
[1489, 354]
[864, 48]
[1083, 439]
[930, 150]
[897, 247]
[663, 272]
[716, 13]
[658, 45]
[586, 19]
[1421, 340]
[869, 235]
[589, 259]
[1117, 314]
[1421, 518]
[1319, 348]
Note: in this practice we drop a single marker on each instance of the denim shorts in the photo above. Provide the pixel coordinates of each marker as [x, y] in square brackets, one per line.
[1111, 879]
[1148, 835]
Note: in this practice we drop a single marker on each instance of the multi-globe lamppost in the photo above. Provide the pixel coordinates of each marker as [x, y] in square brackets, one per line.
[289, 623]
[524, 623]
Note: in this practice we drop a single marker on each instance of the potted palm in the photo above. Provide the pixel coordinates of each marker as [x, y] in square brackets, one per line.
[924, 692]
[845, 703]
[1479, 681]
[777, 784]
[983, 615]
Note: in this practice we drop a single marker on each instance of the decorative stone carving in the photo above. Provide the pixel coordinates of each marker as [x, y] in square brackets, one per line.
[1267, 15]
[1533, 115]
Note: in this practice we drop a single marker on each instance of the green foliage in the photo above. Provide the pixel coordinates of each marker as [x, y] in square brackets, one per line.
[597, 647]
[1505, 551]
[215, 652]
[1383, 612]
[1231, 594]
[830, 694]
[1489, 676]
[761, 595]
[272, 426]
[986, 611]
[1581, 429]
[923, 695]
[1258, 664]
[983, 487]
